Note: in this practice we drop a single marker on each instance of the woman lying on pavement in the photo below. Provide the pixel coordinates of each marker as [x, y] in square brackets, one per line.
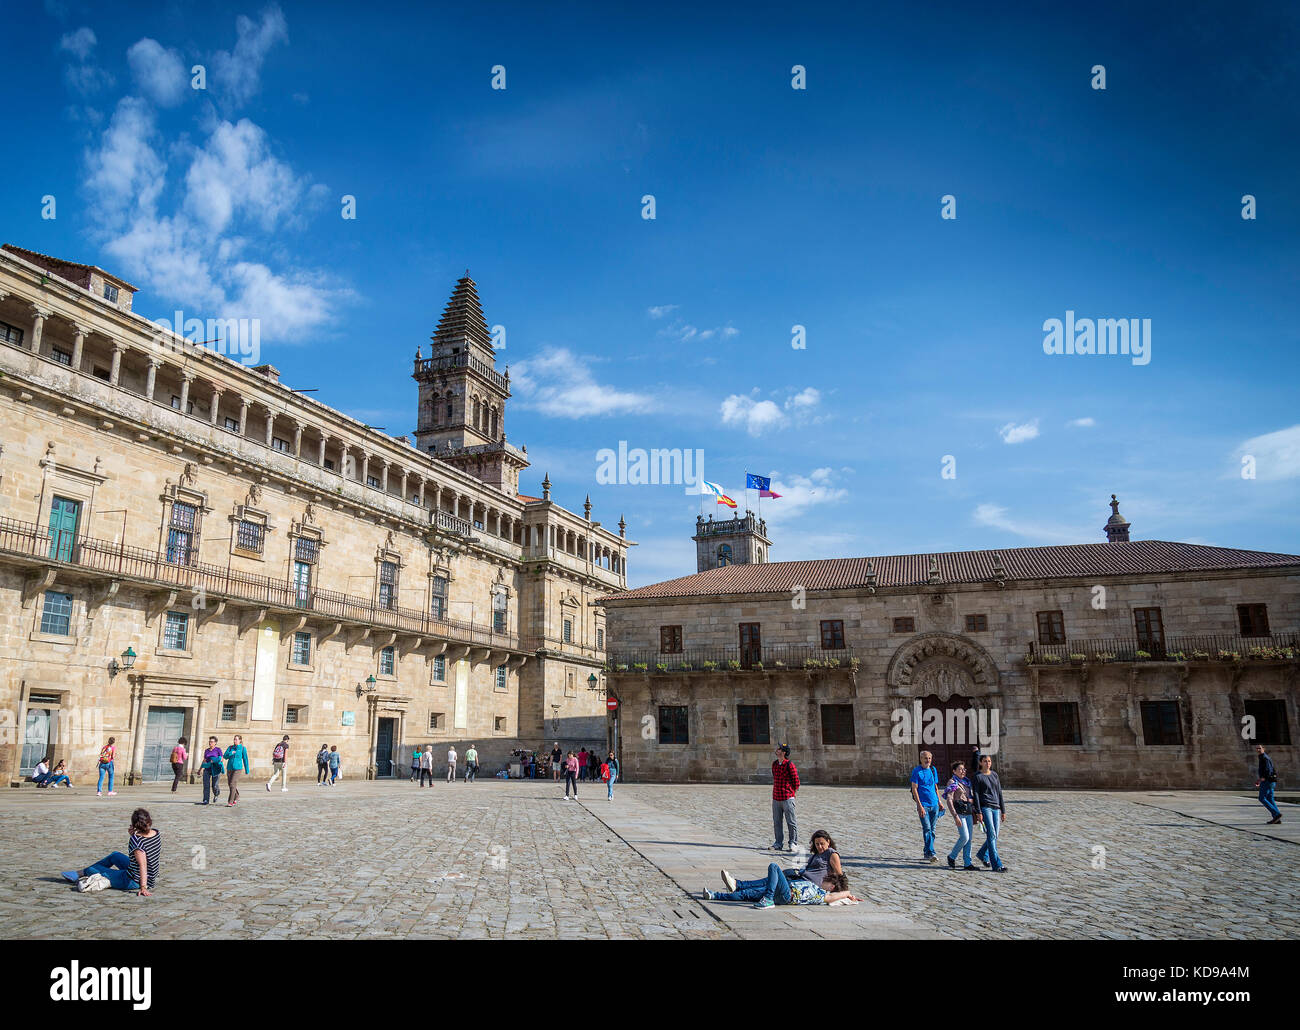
[820, 882]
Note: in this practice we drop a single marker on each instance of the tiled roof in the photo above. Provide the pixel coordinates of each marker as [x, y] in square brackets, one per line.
[36, 257]
[462, 319]
[1138, 557]
[526, 497]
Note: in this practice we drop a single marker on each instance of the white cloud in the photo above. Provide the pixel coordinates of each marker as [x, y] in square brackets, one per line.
[158, 71]
[799, 493]
[238, 73]
[661, 310]
[1012, 433]
[1277, 454]
[79, 43]
[234, 172]
[805, 399]
[126, 171]
[684, 332]
[1081, 423]
[755, 416]
[996, 517]
[557, 383]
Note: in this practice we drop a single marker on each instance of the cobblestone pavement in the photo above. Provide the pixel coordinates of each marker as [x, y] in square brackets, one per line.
[498, 859]
[1165, 875]
[386, 859]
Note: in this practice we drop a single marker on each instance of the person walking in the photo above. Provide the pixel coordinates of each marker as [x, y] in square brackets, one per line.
[179, 755]
[236, 764]
[556, 756]
[471, 764]
[1267, 783]
[452, 759]
[925, 794]
[991, 810]
[571, 775]
[211, 771]
[106, 756]
[335, 759]
[280, 764]
[610, 772]
[323, 766]
[583, 759]
[961, 806]
[785, 785]
[415, 764]
[135, 871]
[426, 765]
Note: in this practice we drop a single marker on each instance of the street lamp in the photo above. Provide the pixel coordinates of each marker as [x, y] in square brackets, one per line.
[369, 687]
[128, 661]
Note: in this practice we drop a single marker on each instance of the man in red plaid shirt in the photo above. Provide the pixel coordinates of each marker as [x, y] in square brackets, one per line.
[785, 784]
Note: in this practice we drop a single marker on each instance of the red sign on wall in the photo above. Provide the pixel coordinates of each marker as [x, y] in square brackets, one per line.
[611, 703]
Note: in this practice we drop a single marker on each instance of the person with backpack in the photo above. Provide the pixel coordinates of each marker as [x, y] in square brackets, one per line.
[471, 764]
[323, 765]
[211, 771]
[1267, 783]
[236, 763]
[280, 765]
[415, 764]
[335, 758]
[106, 755]
[609, 773]
[179, 755]
[957, 795]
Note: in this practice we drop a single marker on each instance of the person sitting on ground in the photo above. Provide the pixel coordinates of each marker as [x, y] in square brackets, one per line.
[823, 868]
[59, 775]
[41, 774]
[135, 871]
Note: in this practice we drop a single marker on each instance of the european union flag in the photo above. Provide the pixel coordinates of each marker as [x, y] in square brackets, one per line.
[753, 482]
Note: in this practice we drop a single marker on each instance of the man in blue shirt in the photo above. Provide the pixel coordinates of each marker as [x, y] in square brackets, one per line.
[925, 783]
[1267, 783]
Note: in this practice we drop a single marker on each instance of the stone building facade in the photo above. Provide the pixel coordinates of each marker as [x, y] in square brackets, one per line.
[1116, 664]
[190, 547]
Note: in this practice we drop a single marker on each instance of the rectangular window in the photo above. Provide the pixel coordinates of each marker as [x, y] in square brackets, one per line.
[64, 517]
[1051, 628]
[837, 724]
[248, 536]
[329, 464]
[176, 630]
[176, 402]
[751, 724]
[110, 293]
[499, 723]
[499, 602]
[568, 631]
[600, 639]
[670, 639]
[231, 424]
[280, 444]
[1160, 723]
[56, 616]
[1253, 619]
[440, 668]
[977, 623]
[306, 549]
[501, 677]
[372, 481]
[301, 584]
[1060, 722]
[568, 685]
[438, 597]
[182, 534]
[100, 372]
[292, 715]
[751, 644]
[387, 661]
[435, 720]
[1271, 724]
[387, 584]
[228, 711]
[832, 634]
[904, 624]
[301, 648]
[1150, 630]
[61, 356]
[10, 334]
[672, 725]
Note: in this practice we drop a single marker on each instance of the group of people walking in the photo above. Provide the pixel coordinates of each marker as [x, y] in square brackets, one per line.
[424, 762]
[574, 769]
[970, 802]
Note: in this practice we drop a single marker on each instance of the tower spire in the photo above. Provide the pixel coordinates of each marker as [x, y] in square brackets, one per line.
[1116, 526]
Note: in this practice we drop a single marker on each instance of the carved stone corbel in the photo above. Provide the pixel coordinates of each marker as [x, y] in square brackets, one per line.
[159, 603]
[99, 598]
[37, 583]
[208, 614]
[253, 618]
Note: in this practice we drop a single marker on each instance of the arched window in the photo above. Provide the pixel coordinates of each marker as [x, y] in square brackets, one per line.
[449, 409]
[724, 555]
[494, 424]
[475, 419]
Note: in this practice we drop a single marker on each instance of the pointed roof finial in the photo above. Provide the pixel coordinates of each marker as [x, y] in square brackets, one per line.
[622, 526]
[1116, 527]
[586, 508]
[546, 487]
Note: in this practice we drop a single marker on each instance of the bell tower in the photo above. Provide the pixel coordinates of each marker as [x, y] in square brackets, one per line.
[738, 541]
[462, 397]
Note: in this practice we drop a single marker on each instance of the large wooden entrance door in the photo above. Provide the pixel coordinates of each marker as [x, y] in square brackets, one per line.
[751, 645]
[164, 728]
[38, 737]
[384, 747]
[955, 741]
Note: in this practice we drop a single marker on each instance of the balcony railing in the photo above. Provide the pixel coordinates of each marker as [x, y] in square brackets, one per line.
[432, 366]
[1213, 648]
[791, 656]
[115, 559]
[451, 524]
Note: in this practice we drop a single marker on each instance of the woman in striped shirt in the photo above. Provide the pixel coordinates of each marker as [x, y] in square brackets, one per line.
[135, 871]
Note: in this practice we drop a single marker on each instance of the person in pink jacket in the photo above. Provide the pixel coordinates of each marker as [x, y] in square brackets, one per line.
[571, 775]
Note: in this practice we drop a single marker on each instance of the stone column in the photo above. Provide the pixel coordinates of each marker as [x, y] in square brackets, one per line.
[116, 373]
[320, 460]
[243, 415]
[383, 479]
[137, 741]
[365, 469]
[420, 495]
[270, 426]
[186, 379]
[344, 453]
[151, 377]
[216, 405]
[297, 440]
[78, 344]
[405, 475]
[39, 315]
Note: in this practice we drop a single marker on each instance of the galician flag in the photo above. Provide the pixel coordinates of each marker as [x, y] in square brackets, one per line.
[712, 488]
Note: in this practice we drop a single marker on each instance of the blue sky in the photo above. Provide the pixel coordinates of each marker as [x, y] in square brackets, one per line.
[775, 207]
